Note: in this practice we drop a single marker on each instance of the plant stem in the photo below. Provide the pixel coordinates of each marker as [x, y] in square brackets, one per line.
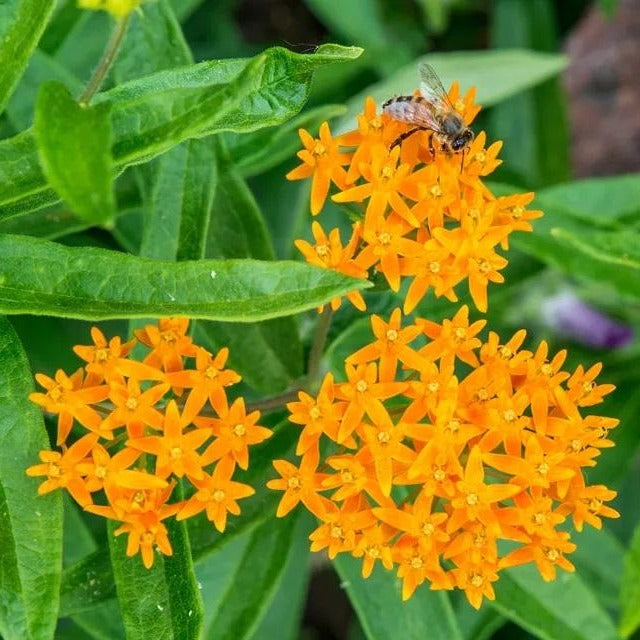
[106, 61]
[319, 340]
[274, 402]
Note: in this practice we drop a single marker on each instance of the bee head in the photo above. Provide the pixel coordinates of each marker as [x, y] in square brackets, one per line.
[462, 141]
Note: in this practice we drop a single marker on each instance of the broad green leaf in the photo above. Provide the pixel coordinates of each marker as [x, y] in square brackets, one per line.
[630, 588]
[262, 150]
[563, 608]
[533, 124]
[157, 112]
[77, 539]
[382, 613]
[163, 601]
[74, 142]
[21, 25]
[41, 277]
[257, 578]
[103, 621]
[87, 583]
[476, 625]
[497, 75]
[42, 68]
[607, 199]
[30, 525]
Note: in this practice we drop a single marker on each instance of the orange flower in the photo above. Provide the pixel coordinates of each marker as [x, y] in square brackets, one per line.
[102, 355]
[217, 495]
[169, 342]
[322, 159]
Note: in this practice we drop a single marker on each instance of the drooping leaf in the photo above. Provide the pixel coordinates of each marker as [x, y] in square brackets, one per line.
[382, 613]
[630, 588]
[163, 601]
[30, 525]
[157, 112]
[41, 277]
[497, 75]
[21, 25]
[563, 608]
[74, 143]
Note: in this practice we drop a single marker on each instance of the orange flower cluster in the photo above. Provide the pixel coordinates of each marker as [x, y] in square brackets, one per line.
[424, 214]
[144, 424]
[442, 449]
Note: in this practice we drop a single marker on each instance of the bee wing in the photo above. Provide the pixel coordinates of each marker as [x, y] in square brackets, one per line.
[431, 87]
[412, 111]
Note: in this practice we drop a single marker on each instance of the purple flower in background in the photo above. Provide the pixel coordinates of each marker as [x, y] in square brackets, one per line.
[572, 318]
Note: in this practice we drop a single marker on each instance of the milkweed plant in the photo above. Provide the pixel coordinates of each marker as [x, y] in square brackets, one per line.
[283, 312]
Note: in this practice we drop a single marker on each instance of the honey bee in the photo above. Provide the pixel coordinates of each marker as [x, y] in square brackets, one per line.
[433, 111]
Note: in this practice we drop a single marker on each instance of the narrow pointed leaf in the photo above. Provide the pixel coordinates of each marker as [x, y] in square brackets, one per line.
[382, 613]
[21, 25]
[42, 277]
[630, 589]
[30, 525]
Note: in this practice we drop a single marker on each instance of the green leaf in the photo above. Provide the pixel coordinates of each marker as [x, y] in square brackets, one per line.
[563, 608]
[607, 199]
[630, 588]
[157, 112]
[163, 601]
[262, 150]
[497, 75]
[533, 124]
[74, 142]
[257, 578]
[41, 277]
[382, 613]
[30, 525]
[21, 25]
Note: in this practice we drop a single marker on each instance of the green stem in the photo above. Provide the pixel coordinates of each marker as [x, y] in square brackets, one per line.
[319, 340]
[106, 61]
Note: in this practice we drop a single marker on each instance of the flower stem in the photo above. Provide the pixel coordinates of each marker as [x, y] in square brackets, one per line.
[317, 347]
[274, 402]
[106, 61]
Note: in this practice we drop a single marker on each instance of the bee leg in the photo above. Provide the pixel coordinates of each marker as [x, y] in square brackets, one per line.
[432, 150]
[462, 162]
[404, 136]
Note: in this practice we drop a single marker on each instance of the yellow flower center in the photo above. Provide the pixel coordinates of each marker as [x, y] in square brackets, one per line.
[392, 335]
[576, 445]
[101, 355]
[416, 562]
[505, 353]
[55, 394]
[472, 499]
[240, 430]
[436, 191]
[546, 369]
[53, 470]
[428, 529]
[474, 213]
[509, 415]
[460, 334]
[322, 250]
[588, 387]
[481, 157]
[439, 475]
[101, 472]
[595, 505]
[138, 498]
[361, 386]
[433, 387]
[386, 173]
[552, 554]
[516, 212]
[147, 537]
[314, 413]
[484, 266]
[175, 452]
[477, 580]
[453, 426]
[373, 552]
[434, 266]
[319, 149]
[169, 337]
[346, 475]
[482, 395]
[336, 532]
[131, 404]
[218, 495]
[543, 468]
[384, 437]
[211, 372]
[459, 105]
[539, 518]
[384, 238]
[294, 482]
[375, 123]
[479, 540]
